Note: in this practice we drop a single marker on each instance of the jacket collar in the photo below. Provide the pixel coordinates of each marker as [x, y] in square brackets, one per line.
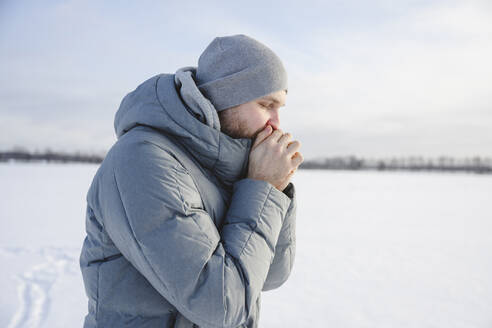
[157, 103]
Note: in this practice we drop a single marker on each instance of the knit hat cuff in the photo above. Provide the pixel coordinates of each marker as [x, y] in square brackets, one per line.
[237, 88]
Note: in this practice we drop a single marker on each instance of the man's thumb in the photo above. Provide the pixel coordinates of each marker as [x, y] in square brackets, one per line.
[262, 135]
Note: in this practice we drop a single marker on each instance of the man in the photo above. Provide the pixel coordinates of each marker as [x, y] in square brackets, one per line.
[192, 213]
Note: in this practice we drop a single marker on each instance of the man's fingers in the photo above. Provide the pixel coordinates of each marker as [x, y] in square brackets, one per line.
[275, 136]
[262, 135]
[285, 139]
[297, 159]
[293, 147]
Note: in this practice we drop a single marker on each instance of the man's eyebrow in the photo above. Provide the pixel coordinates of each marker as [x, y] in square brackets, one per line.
[271, 99]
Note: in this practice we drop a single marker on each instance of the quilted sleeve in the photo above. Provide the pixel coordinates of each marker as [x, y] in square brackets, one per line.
[285, 249]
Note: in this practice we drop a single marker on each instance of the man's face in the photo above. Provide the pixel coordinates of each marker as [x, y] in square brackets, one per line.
[248, 119]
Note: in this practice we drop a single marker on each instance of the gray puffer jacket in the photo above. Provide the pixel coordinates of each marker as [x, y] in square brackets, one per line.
[176, 235]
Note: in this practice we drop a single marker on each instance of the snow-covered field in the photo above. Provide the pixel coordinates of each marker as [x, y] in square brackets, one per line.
[373, 250]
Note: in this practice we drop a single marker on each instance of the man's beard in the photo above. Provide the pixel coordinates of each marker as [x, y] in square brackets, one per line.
[238, 131]
[234, 127]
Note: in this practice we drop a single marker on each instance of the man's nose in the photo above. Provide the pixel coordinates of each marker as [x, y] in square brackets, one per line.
[274, 121]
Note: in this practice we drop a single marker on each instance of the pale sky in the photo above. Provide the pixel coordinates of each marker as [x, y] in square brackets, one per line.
[366, 78]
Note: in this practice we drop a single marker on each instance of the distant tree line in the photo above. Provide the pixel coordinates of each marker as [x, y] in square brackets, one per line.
[475, 164]
[49, 156]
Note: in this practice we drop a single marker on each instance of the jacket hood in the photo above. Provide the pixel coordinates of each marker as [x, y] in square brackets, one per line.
[157, 103]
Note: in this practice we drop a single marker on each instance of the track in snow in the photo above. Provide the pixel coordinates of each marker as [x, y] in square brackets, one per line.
[35, 284]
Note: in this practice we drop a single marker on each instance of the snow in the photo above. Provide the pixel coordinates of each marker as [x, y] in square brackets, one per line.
[374, 249]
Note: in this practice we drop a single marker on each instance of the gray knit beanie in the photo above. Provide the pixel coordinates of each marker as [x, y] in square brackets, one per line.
[236, 69]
